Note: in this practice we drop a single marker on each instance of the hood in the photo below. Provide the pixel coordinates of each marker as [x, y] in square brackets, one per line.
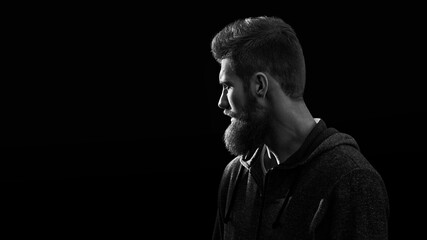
[320, 140]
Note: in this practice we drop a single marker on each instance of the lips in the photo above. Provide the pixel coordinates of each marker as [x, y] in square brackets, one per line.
[230, 114]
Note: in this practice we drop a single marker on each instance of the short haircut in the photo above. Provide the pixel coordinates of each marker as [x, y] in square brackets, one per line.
[263, 44]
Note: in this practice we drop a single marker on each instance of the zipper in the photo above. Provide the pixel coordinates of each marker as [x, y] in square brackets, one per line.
[262, 195]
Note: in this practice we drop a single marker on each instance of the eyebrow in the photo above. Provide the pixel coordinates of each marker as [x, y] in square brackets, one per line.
[223, 81]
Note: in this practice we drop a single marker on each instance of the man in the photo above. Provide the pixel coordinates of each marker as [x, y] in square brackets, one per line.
[293, 177]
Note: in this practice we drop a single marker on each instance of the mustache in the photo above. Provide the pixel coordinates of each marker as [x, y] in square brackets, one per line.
[231, 114]
[241, 116]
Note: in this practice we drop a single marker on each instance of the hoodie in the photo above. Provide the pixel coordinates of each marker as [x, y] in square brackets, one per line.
[325, 190]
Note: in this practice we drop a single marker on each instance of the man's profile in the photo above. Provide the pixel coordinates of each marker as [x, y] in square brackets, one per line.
[293, 177]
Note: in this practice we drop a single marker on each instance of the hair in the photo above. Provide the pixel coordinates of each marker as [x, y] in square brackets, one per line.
[263, 44]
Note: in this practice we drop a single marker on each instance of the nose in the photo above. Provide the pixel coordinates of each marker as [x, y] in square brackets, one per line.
[223, 101]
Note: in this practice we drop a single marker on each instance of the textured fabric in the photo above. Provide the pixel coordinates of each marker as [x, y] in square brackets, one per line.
[325, 190]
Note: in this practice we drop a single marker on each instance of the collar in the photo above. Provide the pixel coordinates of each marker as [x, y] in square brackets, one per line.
[249, 159]
[271, 155]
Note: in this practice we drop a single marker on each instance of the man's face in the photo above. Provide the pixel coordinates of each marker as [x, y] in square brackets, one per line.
[249, 123]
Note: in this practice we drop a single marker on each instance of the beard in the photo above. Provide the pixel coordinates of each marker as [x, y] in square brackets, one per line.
[248, 130]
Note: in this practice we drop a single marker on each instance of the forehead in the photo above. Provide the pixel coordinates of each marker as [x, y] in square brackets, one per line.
[226, 72]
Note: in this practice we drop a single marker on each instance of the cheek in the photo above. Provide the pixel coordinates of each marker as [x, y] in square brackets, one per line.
[234, 100]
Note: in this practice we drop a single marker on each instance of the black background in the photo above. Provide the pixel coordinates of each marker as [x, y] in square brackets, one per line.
[110, 124]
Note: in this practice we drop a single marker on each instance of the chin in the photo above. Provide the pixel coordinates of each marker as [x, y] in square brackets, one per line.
[242, 137]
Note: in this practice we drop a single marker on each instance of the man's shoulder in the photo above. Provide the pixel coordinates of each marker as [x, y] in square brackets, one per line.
[331, 166]
[232, 166]
[343, 159]
[231, 173]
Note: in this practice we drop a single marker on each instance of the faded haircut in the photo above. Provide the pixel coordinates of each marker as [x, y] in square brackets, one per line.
[263, 44]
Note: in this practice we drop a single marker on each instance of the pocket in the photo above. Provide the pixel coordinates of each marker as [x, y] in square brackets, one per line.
[318, 215]
[301, 213]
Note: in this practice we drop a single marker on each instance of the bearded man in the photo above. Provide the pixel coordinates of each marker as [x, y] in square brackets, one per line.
[292, 177]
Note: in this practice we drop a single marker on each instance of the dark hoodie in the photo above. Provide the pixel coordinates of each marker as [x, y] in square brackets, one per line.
[325, 190]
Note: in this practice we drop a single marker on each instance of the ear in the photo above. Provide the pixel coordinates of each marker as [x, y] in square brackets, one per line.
[261, 84]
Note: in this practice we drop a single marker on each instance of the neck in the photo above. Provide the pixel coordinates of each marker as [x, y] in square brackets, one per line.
[289, 130]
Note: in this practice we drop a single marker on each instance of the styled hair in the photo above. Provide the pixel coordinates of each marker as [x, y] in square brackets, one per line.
[263, 44]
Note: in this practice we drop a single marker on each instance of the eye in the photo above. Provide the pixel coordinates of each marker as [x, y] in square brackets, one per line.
[226, 86]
